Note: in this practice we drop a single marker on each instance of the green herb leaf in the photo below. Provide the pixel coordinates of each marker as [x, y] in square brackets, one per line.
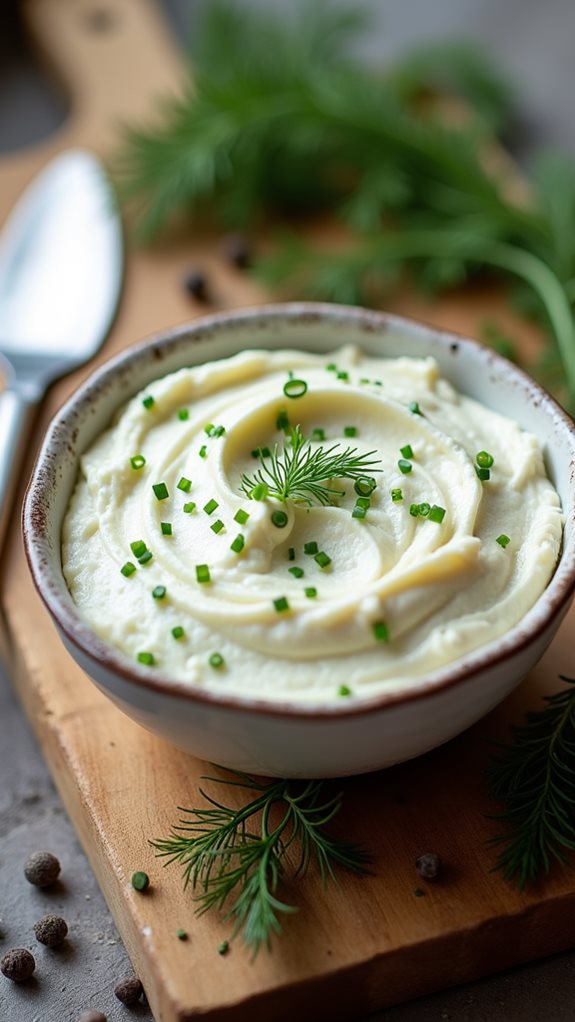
[235, 859]
[534, 778]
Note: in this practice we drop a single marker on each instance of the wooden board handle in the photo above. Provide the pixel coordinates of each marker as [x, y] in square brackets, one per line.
[112, 58]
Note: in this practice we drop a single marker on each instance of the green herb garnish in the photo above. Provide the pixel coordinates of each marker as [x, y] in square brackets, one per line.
[138, 548]
[217, 526]
[381, 631]
[310, 547]
[279, 519]
[447, 215]
[396, 495]
[295, 388]
[203, 573]
[299, 473]
[138, 461]
[344, 690]
[281, 604]
[503, 540]
[238, 544]
[148, 402]
[310, 592]
[235, 858]
[296, 572]
[404, 466]
[323, 559]
[211, 506]
[241, 516]
[189, 507]
[166, 528]
[178, 632]
[484, 459]
[216, 660]
[183, 415]
[436, 514]
[128, 569]
[148, 659]
[185, 484]
[159, 592]
[534, 778]
[161, 491]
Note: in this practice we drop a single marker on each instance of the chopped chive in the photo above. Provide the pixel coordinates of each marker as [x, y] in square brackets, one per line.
[483, 473]
[138, 461]
[414, 510]
[424, 509]
[359, 512]
[323, 559]
[183, 414]
[181, 935]
[217, 526]
[211, 506]
[407, 451]
[291, 554]
[310, 592]
[350, 431]
[381, 631]
[436, 514]
[311, 547]
[146, 557]
[138, 547]
[296, 572]
[203, 573]
[178, 632]
[363, 502]
[219, 431]
[279, 519]
[414, 407]
[484, 459]
[281, 604]
[261, 452]
[260, 491]
[344, 690]
[364, 485]
[189, 507]
[503, 540]
[129, 568]
[148, 402]
[208, 428]
[185, 484]
[396, 495]
[318, 434]
[241, 516]
[161, 491]
[238, 544]
[378, 383]
[295, 388]
[282, 421]
[216, 660]
[146, 658]
[224, 947]
[166, 528]
[203, 451]
[331, 367]
[343, 376]
[404, 466]
[159, 592]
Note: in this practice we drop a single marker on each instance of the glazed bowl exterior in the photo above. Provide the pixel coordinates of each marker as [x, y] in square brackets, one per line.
[286, 739]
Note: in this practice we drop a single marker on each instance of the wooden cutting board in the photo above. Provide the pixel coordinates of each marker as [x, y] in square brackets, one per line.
[370, 942]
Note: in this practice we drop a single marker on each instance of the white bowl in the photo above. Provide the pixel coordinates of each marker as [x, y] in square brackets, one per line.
[286, 739]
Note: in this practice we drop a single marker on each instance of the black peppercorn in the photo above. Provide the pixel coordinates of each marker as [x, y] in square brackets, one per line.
[428, 865]
[196, 284]
[42, 869]
[237, 250]
[51, 930]
[129, 990]
[17, 964]
[93, 1016]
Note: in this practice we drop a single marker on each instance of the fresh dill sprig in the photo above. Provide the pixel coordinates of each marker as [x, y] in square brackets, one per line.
[299, 473]
[234, 859]
[534, 778]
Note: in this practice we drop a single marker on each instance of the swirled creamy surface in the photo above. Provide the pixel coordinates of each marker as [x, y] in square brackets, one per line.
[402, 593]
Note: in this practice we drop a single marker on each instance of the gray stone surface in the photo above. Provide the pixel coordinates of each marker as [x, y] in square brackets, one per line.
[535, 41]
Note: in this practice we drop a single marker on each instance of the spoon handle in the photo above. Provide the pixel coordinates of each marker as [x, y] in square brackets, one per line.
[17, 413]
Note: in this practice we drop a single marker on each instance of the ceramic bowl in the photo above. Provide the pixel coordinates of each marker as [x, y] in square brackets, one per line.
[252, 734]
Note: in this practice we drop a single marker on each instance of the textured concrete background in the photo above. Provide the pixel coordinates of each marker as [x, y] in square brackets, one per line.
[535, 41]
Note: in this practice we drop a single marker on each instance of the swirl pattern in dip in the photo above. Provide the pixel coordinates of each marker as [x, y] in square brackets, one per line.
[442, 563]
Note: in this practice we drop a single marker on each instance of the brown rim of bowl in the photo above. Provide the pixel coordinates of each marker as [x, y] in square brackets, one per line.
[552, 601]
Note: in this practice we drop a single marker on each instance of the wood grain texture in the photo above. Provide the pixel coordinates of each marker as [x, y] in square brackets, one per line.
[369, 942]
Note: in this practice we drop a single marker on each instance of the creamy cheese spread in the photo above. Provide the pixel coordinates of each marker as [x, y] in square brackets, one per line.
[175, 564]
